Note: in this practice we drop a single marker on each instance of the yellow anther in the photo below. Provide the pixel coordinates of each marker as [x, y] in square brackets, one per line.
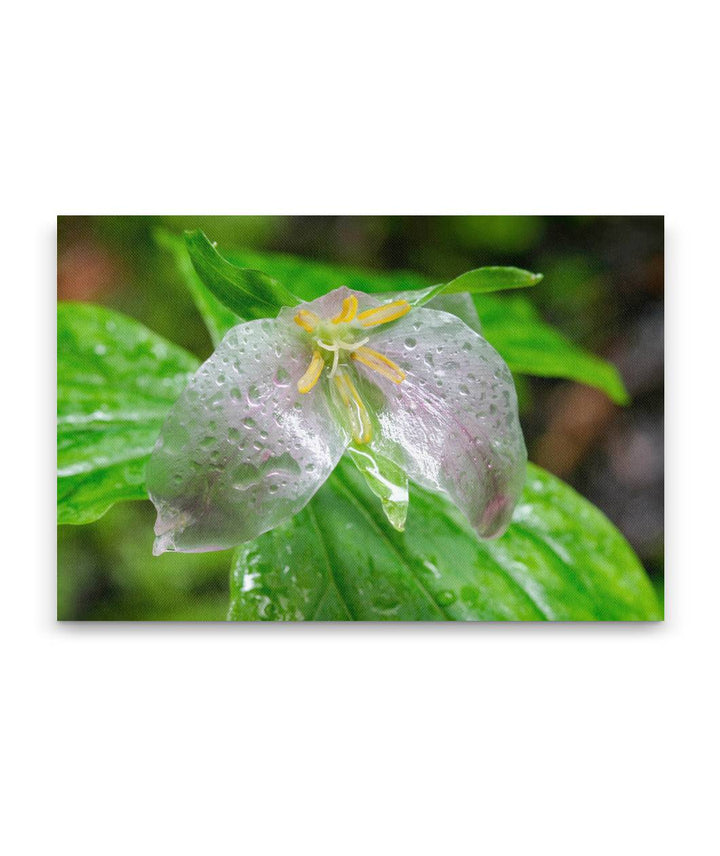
[384, 314]
[310, 378]
[360, 425]
[307, 320]
[379, 363]
[349, 308]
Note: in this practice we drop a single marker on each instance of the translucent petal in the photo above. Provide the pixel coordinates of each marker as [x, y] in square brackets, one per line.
[242, 449]
[330, 304]
[460, 304]
[453, 422]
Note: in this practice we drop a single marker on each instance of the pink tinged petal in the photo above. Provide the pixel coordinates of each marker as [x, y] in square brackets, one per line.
[452, 424]
[242, 449]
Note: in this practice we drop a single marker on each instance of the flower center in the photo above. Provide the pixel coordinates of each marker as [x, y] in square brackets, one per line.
[336, 336]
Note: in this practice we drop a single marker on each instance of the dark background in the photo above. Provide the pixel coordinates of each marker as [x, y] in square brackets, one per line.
[603, 287]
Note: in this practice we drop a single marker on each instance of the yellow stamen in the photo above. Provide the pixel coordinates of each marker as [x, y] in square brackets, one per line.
[384, 314]
[310, 378]
[349, 308]
[360, 425]
[379, 363]
[307, 320]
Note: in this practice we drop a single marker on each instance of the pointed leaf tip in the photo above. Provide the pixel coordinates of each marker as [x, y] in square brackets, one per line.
[250, 294]
[487, 279]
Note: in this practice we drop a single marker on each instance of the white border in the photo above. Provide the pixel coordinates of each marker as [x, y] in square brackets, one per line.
[402, 739]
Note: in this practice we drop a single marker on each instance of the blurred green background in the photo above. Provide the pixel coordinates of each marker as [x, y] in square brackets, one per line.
[603, 287]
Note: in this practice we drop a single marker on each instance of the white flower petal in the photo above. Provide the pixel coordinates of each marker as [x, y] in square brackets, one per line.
[242, 449]
[461, 305]
[452, 424]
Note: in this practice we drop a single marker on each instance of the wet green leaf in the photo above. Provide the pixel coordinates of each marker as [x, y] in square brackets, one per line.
[116, 383]
[340, 559]
[386, 480]
[248, 293]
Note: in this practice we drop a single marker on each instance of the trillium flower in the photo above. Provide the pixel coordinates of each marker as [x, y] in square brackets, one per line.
[265, 420]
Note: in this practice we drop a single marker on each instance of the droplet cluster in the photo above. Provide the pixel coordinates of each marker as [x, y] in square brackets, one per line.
[240, 436]
[453, 422]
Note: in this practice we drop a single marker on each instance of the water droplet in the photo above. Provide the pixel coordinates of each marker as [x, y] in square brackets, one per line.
[282, 378]
[386, 603]
[249, 422]
[410, 343]
[432, 567]
[446, 597]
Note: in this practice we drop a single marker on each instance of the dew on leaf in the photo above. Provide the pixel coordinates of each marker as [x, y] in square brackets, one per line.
[446, 597]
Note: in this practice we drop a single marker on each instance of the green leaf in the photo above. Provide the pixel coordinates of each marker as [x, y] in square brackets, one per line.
[386, 480]
[340, 559]
[509, 322]
[486, 279]
[217, 317]
[117, 381]
[248, 293]
[480, 281]
[528, 345]
[309, 278]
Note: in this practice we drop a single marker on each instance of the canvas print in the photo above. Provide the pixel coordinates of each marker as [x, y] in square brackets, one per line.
[360, 418]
